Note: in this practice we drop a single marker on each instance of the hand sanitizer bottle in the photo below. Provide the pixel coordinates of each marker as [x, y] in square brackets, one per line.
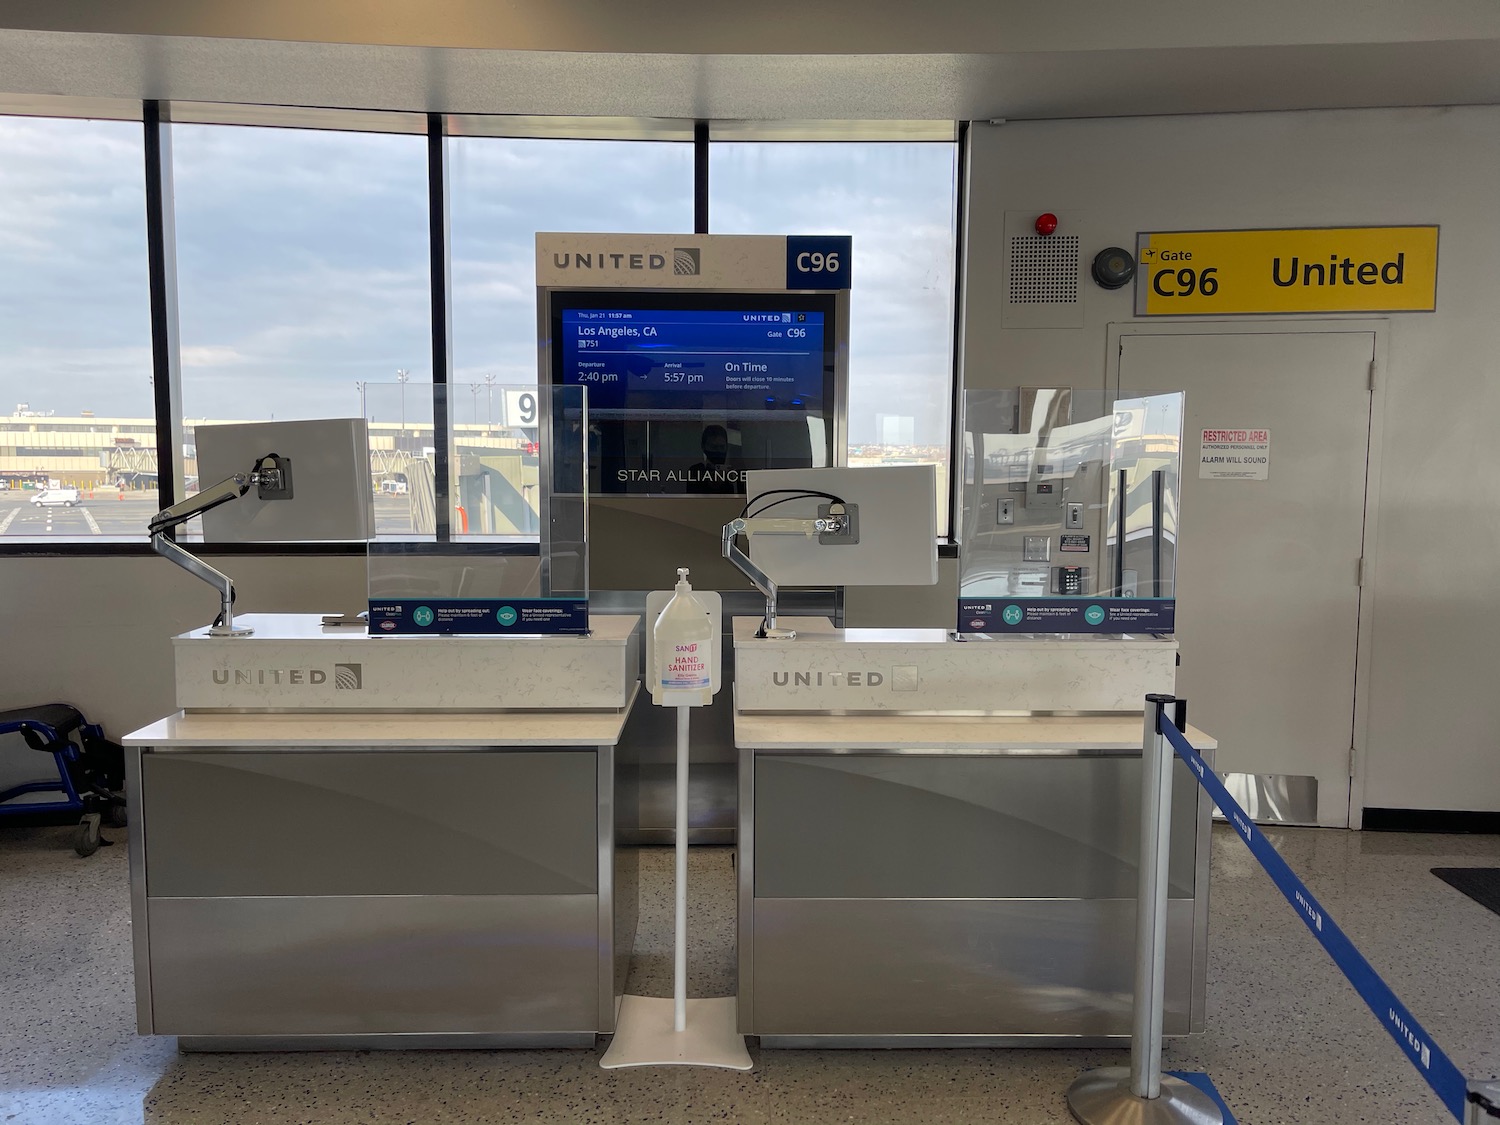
[684, 638]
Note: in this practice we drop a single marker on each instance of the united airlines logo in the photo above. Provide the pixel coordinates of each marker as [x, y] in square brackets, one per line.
[686, 261]
[1313, 915]
[828, 679]
[348, 677]
[1404, 1032]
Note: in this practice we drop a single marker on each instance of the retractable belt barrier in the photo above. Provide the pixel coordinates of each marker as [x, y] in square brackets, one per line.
[1468, 1102]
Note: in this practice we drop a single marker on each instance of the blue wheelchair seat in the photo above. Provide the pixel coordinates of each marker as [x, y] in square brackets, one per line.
[90, 771]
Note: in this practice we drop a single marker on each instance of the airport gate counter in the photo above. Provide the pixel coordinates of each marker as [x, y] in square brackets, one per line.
[345, 840]
[918, 869]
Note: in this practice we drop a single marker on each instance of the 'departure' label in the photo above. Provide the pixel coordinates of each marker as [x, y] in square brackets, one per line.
[687, 668]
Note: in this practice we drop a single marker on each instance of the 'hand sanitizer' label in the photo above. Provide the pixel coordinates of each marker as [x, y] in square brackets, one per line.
[686, 670]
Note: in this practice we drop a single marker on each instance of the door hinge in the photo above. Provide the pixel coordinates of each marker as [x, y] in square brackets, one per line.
[1374, 367]
[1359, 572]
[1353, 761]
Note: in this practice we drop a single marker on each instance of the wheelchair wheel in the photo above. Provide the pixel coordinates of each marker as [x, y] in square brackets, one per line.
[116, 815]
[86, 835]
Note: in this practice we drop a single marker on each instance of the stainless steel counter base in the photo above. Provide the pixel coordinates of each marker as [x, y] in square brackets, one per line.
[195, 1044]
[945, 898]
[307, 897]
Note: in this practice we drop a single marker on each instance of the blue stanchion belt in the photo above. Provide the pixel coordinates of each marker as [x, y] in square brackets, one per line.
[1435, 1066]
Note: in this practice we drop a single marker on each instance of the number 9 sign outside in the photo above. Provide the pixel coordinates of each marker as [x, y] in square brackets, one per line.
[520, 407]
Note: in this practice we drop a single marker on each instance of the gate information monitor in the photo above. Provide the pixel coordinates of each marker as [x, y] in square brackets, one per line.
[704, 356]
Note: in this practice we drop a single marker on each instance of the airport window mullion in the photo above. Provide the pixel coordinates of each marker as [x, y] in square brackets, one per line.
[960, 228]
[700, 176]
[161, 254]
[440, 276]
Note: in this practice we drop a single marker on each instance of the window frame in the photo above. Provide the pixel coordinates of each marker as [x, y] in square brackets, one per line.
[155, 118]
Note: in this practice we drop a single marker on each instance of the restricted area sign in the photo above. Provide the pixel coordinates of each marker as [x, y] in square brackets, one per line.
[1309, 270]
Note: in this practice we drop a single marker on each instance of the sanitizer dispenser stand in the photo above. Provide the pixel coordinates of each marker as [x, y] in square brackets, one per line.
[683, 664]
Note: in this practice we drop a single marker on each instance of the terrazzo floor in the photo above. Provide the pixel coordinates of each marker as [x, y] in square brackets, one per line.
[1288, 1042]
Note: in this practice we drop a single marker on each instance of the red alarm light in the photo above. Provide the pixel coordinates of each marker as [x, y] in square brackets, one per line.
[1046, 223]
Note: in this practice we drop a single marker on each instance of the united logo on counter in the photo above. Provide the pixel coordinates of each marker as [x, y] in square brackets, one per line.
[479, 616]
[1067, 615]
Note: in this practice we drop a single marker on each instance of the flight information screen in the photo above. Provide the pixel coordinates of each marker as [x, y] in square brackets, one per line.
[686, 396]
[686, 360]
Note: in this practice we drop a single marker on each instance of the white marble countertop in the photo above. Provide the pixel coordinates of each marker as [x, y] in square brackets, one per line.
[1059, 734]
[382, 731]
[822, 631]
[606, 629]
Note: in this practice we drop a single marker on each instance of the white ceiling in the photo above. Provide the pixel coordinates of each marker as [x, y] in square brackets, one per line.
[1084, 59]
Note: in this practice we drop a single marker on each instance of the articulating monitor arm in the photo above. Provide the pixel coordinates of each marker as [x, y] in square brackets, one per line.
[275, 483]
[833, 524]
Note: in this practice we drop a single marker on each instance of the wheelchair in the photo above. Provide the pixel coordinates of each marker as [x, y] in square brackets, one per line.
[90, 772]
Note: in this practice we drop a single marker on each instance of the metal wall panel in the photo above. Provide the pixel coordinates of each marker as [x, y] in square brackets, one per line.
[371, 965]
[993, 826]
[429, 822]
[906, 967]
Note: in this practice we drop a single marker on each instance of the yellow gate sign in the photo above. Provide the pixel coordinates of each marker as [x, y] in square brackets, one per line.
[1311, 270]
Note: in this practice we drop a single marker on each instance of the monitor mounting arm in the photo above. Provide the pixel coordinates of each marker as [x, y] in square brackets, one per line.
[836, 524]
[274, 481]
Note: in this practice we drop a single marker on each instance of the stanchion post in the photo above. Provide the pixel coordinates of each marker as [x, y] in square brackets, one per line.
[1140, 1094]
[679, 966]
[1151, 904]
[1484, 1103]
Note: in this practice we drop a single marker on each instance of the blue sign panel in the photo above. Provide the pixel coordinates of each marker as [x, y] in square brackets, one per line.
[818, 261]
[481, 616]
[1067, 615]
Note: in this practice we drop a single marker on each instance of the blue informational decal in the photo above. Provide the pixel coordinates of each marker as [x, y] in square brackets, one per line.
[478, 616]
[1067, 615]
[818, 261]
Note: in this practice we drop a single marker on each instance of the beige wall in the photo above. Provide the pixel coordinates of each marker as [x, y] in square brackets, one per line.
[1434, 711]
[95, 631]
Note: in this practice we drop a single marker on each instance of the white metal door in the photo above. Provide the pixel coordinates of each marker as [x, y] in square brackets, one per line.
[1268, 570]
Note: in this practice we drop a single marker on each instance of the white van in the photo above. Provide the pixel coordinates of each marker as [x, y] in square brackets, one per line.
[56, 498]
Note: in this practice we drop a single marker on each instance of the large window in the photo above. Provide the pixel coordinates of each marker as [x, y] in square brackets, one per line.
[300, 241]
[75, 329]
[898, 200]
[302, 261]
[504, 190]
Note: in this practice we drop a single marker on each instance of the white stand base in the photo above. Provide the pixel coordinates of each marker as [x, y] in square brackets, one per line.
[644, 1035]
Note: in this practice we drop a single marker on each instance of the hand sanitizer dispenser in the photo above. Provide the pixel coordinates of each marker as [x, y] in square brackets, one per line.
[683, 658]
[683, 638]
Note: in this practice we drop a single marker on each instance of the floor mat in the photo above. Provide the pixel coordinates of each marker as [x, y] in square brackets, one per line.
[1482, 884]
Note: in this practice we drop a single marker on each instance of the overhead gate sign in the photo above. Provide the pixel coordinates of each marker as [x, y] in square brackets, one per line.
[1309, 270]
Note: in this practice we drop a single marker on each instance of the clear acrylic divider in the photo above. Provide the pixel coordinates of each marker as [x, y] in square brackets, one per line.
[1050, 477]
[502, 548]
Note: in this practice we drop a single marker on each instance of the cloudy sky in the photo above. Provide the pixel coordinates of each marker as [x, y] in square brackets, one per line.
[302, 260]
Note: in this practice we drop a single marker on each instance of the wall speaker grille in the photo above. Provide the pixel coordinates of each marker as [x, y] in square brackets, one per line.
[1044, 271]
